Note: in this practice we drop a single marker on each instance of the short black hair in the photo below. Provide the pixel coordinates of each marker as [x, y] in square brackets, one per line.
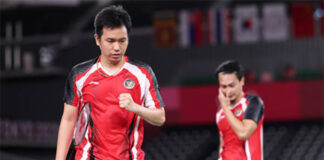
[112, 16]
[230, 66]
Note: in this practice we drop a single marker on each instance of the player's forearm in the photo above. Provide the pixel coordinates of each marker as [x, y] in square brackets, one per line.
[152, 115]
[238, 126]
[64, 139]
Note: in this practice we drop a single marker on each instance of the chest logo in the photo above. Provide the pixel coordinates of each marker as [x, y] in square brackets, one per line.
[238, 112]
[129, 83]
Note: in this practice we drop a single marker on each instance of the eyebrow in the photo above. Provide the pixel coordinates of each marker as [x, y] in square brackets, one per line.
[111, 38]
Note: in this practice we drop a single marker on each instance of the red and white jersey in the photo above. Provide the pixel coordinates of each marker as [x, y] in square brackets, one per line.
[113, 132]
[249, 107]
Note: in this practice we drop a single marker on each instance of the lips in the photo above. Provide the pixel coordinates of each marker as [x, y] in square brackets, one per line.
[116, 55]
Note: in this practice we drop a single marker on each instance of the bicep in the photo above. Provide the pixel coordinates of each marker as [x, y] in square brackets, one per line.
[70, 112]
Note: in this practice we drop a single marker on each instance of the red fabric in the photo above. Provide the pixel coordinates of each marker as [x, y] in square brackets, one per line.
[322, 20]
[302, 19]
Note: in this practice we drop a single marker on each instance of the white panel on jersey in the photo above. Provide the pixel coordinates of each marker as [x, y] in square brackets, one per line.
[244, 106]
[142, 79]
[80, 82]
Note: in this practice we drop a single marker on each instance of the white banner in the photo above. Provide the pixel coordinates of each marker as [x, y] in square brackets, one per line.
[275, 22]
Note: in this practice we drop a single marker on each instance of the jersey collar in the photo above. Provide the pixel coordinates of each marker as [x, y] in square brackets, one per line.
[239, 102]
[101, 70]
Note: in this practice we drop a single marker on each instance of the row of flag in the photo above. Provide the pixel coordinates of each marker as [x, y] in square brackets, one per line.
[240, 25]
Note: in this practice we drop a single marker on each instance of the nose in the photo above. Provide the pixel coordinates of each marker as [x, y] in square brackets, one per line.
[116, 46]
[226, 91]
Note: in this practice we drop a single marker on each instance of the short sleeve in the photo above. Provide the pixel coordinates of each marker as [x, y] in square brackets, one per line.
[70, 91]
[254, 110]
[153, 97]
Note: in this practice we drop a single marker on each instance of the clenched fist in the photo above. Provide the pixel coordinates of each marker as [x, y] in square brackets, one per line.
[126, 101]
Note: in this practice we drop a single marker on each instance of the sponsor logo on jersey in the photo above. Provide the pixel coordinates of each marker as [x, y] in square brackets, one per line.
[238, 112]
[129, 83]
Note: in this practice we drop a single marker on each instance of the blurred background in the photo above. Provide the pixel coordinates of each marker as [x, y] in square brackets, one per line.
[280, 43]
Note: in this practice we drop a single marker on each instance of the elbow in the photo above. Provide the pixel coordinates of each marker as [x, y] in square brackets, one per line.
[161, 121]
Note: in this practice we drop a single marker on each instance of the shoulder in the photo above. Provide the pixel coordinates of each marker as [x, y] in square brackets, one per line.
[254, 100]
[139, 63]
[83, 66]
[146, 68]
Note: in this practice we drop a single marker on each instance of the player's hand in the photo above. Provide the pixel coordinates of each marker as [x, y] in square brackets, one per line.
[126, 101]
[223, 99]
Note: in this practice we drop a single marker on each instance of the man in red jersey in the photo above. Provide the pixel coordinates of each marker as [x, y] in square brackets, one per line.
[240, 117]
[120, 91]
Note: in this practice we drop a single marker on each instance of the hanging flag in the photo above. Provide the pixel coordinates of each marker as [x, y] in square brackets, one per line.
[183, 28]
[165, 29]
[275, 23]
[210, 26]
[191, 28]
[246, 24]
[196, 36]
[302, 20]
[322, 18]
[223, 26]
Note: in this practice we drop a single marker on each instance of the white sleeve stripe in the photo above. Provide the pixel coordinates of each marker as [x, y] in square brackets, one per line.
[86, 147]
[149, 102]
[134, 149]
[247, 150]
[261, 139]
[218, 115]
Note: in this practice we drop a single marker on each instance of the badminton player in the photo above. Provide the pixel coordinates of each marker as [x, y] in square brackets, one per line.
[119, 93]
[240, 116]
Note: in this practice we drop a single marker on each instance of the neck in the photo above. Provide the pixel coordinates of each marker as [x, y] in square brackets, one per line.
[111, 66]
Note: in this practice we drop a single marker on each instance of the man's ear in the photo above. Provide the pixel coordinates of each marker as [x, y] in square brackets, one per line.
[243, 81]
[97, 39]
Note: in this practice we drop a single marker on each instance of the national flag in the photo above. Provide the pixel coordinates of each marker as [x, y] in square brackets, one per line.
[223, 26]
[165, 29]
[246, 24]
[190, 28]
[275, 22]
[183, 28]
[210, 26]
[302, 20]
[195, 20]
